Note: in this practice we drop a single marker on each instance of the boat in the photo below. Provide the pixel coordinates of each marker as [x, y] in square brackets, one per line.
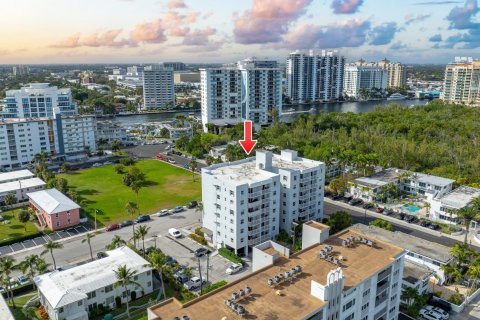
[396, 96]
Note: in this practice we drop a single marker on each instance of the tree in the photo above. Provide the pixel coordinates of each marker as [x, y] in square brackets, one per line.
[164, 133]
[62, 185]
[29, 265]
[87, 239]
[467, 214]
[116, 242]
[120, 169]
[427, 207]
[49, 247]
[409, 295]
[124, 279]
[199, 208]
[10, 199]
[157, 261]
[193, 166]
[24, 217]
[7, 266]
[382, 224]
[42, 266]
[116, 144]
[136, 186]
[141, 232]
[131, 208]
[72, 194]
[338, 221]
[66, 167]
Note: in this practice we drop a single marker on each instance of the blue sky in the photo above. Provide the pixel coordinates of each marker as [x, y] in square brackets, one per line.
[135, 31]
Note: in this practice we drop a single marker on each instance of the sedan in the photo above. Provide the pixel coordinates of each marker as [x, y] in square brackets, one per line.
[143, 218]
[172, 161]
[424, 223]
[126, 223]
[162, 213]
[379, 210]
[200, 252]
[234, 268]
[434, 226]
[368, 206]
[438, 310]
[336, 197]
[177, 209]
[112, 227]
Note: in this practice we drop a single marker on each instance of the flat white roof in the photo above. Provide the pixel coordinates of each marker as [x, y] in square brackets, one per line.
[460, 197]
[21, 184]
[15, 175]
[434, 180]
[297, 163]
[61, 288]
[239, 172]
[52, 201]
[5, 313]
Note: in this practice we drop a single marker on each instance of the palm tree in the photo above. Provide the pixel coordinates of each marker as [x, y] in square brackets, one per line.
[29, 265]
[49, 247]
[409, 295]
[199, 208]
[427, 207]
[42, 266]
[157, 261]
[142, 231]
[7, 265]
[136, 186]
[10, 199]
[193, 166]
[467, 214]
[24, 217]
[116, 242]
[131, 208]
[89, 236]
[474, 272]
[125, 278]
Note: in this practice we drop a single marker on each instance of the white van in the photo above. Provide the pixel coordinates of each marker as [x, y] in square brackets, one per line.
[174, 233]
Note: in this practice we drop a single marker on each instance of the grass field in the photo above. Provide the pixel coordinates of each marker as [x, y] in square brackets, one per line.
[102, 189]
[15, 229]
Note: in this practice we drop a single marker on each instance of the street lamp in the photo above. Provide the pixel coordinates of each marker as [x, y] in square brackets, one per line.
[155, 239]
[96, 210]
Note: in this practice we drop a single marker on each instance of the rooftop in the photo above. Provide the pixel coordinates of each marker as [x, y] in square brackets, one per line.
[289, 160]
[434, 180]
[413, 272]
[317, 225]
[360, 262]
[61, 288]
[378, 179]
[5, 313]
[21, 184]
[460, 197]
[15, 175]
[52, 201]
[410, 243]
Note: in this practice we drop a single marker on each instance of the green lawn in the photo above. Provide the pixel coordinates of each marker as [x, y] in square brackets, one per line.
[102, 188]
[19, 303]
[15, 229]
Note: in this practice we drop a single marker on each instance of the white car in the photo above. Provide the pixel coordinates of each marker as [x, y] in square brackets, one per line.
[430, 315]
[438, 310]
[162, 213]
[174, 233]
[97, 165]
[172, 161]
[234, 268]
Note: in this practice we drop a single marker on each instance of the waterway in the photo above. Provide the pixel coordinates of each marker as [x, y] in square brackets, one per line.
[355, 107]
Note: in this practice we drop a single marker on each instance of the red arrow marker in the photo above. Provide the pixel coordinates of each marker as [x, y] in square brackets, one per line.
[247, 144]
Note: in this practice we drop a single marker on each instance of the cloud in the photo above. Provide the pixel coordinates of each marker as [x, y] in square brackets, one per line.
[199, 37]
[69, 42]
[383, 34]
[436, 38]
[398, 46]
[461, 17]
[267, 21]
[346, 6]
[410, 18]
[348, 33]
[176, 4]
[433, 3]
[208, 14]
[97, 39]
[149, 32]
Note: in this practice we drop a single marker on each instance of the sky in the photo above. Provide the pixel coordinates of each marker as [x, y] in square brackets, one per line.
[221, 31]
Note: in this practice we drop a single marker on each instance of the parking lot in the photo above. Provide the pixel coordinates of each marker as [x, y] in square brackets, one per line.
[42, 239]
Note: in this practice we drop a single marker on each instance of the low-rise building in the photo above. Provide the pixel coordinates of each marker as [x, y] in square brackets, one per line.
[345, 276]
[73, 293]
[417, 276]
[21, 188]
[5, 313]
[54, 210]
[179, 131]
[16, 175]
[443, 208]
[186, 77]
[109, 131]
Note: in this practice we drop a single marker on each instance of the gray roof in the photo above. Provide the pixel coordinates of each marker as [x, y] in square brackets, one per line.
[52, 201]
[16, 175]
[433, 180]
[378, 179]
[460, 197]
[413, 272]
[410, 243]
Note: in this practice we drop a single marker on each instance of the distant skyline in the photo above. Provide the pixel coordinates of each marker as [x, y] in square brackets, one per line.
[209, 31]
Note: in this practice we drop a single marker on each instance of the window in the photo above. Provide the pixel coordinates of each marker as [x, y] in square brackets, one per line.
[366, 292]
[80, 303]
[109, 288]
[365, 306]
[149, 283]
[109, 300]
[60, 310]
[91, 295]
[135, 278]
[349, 305]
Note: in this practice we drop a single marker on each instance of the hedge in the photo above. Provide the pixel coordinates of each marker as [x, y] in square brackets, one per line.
[227, 254]
[214, 286]
[198, 238]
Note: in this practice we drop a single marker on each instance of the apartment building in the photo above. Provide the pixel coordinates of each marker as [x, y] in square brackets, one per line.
[315, 76]
[175, 66]
[344, 276]
[20, 70]
[247, 202]
[109, 131]
[158, 88]
[361, 77]
[462, 82]
[251, 89]
[73, 293]
[397, 73]
[75, 134]
[38, 100]
[443, 208]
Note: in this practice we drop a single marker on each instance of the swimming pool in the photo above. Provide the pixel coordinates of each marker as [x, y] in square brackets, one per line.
[411, 207]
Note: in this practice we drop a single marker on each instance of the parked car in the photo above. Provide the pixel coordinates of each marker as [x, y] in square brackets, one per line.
[347, 198]
[112, 227]
[200, 252]
[234, 268]
[96, 165]
[401, 216]
[172, 161]
[162, 213]
[177, 209]
[429, 315]
[424, 223]
[174, 233]
[388, 212]
[434, 226]
[368, 205]
[143, 218]
[192, 204]
[126, 223]
[379, 210]
[181, 278]
[438, 310]
[409, 218]
[336, 197]
[101, 255]
[22, 279]
[170, 261]
[355, 202]
[194, 283]
[185, 166]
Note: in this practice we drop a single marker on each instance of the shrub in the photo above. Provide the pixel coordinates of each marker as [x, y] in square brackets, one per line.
[214, 286]
[229, 255]
[127, 161]
[198, 238]
[198, 231]
[456, 298]
[43, 313]
[382, 224]
[120, 169]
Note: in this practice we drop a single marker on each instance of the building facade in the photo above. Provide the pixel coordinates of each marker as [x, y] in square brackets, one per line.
[109, 131]
[315, 76]
[20, 188]
[444, 207]
[158, 88]
[175, 66]
[462, 82]
[361, 79]
[38, 100]
[256, 197]
[74, 293]
[397, 73]
[251, 89]
[75, 134]
[20, 70]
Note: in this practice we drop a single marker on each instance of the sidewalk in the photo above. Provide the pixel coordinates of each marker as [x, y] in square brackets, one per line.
[400, 222]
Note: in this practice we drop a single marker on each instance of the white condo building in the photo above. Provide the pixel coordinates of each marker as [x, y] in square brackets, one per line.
[315, 76]
[462, 82]
[158, 88]
[364, 76]
[251, 89]
[71, 294]
[75, 134]
[248, 201]
[38, 100]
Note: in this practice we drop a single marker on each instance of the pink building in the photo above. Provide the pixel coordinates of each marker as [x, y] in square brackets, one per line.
[54, 210]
